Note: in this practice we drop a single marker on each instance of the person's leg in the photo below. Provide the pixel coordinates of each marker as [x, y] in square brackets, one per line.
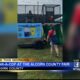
[56, 50]
[51, 48]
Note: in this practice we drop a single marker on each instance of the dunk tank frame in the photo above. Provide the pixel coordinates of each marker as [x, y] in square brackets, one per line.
[38, 16]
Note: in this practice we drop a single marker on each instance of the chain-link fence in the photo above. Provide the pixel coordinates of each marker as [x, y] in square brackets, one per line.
[24, 9]
[37, 13]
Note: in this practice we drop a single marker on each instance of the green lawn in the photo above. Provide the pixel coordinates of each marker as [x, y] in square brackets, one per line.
[39, 75]
[39, 55]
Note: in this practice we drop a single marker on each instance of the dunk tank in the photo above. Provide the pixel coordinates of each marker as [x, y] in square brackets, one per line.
[34, 22]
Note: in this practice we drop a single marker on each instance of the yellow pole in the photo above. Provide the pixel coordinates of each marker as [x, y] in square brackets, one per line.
[10, 11]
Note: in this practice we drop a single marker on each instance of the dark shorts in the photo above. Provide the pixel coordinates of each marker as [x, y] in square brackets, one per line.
[53, 40]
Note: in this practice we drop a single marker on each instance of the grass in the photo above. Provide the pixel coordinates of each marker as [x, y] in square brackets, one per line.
[39, 75]
[39, 55]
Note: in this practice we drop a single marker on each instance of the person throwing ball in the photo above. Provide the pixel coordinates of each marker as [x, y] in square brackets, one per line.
[52, 38]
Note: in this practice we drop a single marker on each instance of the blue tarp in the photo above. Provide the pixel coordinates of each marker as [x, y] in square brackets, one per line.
[29, 30]
[23, 30]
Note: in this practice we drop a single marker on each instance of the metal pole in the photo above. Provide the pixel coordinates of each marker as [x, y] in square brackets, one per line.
[38, 7]
[37, 11]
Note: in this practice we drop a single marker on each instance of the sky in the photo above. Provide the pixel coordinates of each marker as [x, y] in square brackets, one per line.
[40, 2]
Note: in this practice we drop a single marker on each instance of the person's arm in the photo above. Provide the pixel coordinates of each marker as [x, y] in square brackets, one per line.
[54, 32]
[47, 38]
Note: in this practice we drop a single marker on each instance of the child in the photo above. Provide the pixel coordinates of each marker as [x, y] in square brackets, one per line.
[53, 41]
